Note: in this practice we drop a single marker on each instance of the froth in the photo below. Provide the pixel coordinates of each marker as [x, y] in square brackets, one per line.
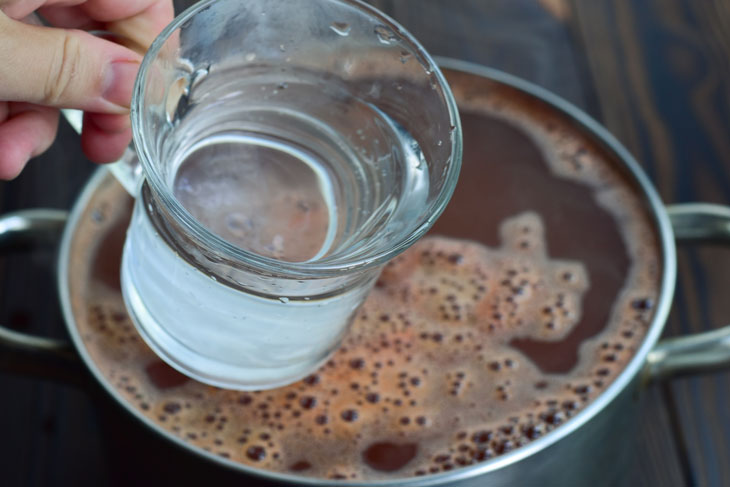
[425, 380]
[428, 379]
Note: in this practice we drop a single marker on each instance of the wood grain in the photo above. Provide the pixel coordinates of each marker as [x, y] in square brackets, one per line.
[659, 460]
[662, 71]
[520, 37]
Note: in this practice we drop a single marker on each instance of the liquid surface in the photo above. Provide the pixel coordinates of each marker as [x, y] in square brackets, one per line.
[449, 362]
[257, 197]
[293, 166]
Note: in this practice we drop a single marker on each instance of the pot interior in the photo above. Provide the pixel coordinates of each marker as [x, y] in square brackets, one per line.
[532, 300]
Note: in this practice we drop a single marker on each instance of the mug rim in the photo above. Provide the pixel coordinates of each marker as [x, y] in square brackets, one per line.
[629, 373]
[270, 265]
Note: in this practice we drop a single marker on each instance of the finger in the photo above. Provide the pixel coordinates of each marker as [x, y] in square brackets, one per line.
[44, 119]
[114, 10]
[110, 123]
[143, 25]
[64, 68]
[27, 132]
[138, 20]
[17, 9]
[69, 17]
[101, 145]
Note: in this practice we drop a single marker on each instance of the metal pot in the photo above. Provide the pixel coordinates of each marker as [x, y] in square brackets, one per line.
[588, 449]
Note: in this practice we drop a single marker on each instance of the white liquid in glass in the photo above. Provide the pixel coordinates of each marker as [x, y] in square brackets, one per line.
[288, 170]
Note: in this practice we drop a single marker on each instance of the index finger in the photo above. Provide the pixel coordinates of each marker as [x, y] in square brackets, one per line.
[114, 10]
[139, 21]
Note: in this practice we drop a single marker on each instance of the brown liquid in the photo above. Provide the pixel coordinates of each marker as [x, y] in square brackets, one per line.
[512, 172]
[468, 347]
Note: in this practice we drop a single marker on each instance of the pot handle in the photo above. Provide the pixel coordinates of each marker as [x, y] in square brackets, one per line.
[25, 354]
[700, 352]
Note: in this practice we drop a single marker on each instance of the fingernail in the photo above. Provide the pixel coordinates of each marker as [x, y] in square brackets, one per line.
[120, 82]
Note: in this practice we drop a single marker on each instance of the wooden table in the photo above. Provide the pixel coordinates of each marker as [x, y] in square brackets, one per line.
[656, 73]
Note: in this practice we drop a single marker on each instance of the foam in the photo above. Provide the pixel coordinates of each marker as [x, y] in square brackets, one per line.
[426, 380]
[433, 374]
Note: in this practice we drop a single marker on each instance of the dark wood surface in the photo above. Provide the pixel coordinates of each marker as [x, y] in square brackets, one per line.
[655, 72]
[661, 70]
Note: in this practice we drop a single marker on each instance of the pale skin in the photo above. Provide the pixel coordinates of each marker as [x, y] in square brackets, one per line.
[43, 69]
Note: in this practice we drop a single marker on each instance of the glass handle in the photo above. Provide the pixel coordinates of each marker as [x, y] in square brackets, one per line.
[700, 352]
[127, 169]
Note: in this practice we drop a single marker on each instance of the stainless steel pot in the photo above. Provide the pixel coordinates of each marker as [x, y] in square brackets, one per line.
[588, 450]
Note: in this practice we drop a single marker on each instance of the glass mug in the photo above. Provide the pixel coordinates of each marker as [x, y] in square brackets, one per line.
[287, 150]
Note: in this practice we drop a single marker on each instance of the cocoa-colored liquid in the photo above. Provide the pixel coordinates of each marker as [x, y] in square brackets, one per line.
[530, 296]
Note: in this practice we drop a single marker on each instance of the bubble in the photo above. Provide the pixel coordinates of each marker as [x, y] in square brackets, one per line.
[642, 304]
[349, 415]
[569, 405]
[503, 447]
[308, 402]
[442, 458]
[256, 453]
[533, 431]
[321, 419]
[482, 436]
[357, 363]
[300, 466]
[172, 407]
[372, 397]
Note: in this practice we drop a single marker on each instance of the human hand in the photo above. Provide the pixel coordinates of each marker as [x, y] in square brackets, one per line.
[43, 69]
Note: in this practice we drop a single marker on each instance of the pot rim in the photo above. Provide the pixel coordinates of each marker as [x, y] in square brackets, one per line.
[626, 376]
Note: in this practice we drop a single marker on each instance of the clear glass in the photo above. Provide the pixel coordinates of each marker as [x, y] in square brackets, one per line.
[290, 148]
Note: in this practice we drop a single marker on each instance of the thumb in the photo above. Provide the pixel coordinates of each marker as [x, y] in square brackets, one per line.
[64, 68]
